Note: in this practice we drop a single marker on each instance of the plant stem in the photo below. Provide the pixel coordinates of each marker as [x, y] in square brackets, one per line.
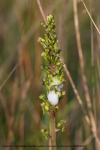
[52, 129]
[52, 123]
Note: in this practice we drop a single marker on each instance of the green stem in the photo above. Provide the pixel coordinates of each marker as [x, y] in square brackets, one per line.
[52, 123]
[52, 129]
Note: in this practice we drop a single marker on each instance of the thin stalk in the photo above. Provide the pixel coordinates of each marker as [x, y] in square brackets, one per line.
[10, 137]
[1, 86]
[90, 17]
[83, 74]
[52, 130]
[82, 67]
[4, 104]
[52, 123]
[92, 64]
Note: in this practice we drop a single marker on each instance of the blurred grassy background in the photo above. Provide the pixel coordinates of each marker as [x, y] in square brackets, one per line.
[21, 116]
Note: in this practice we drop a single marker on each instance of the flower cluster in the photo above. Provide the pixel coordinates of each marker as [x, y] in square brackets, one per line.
[54, 70]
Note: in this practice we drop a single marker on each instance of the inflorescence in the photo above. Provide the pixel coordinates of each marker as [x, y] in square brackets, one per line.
[54, 69]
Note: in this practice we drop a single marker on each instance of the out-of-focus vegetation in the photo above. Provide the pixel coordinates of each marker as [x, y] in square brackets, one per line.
[21, 116]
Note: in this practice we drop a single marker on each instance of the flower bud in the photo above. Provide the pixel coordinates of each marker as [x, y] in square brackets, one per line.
[51, 16]
[47, 132]
[43, 54]
[59, 125]
[46, 107]
[42, 130]
[46, 50]
[43, 25]
[56, 107]
[41, 96]
[42, 104]
[63, 93]
[41, 39]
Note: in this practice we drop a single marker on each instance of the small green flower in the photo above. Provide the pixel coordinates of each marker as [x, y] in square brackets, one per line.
[59, 125]
[42, 24]
[46, 107]
[45, 132]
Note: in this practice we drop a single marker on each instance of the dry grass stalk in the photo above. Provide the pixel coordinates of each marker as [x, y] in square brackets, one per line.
[4, 104]
[83, 71]
[86, 142]
[11, 118]
[24, 92]
[62, 24]
[41, 10]
[90, 17]
[8, 76]
[22, 107]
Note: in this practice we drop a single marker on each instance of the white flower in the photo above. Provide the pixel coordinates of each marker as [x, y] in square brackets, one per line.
[53, 97]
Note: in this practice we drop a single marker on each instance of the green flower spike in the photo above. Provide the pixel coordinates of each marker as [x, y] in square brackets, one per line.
[54, 79]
